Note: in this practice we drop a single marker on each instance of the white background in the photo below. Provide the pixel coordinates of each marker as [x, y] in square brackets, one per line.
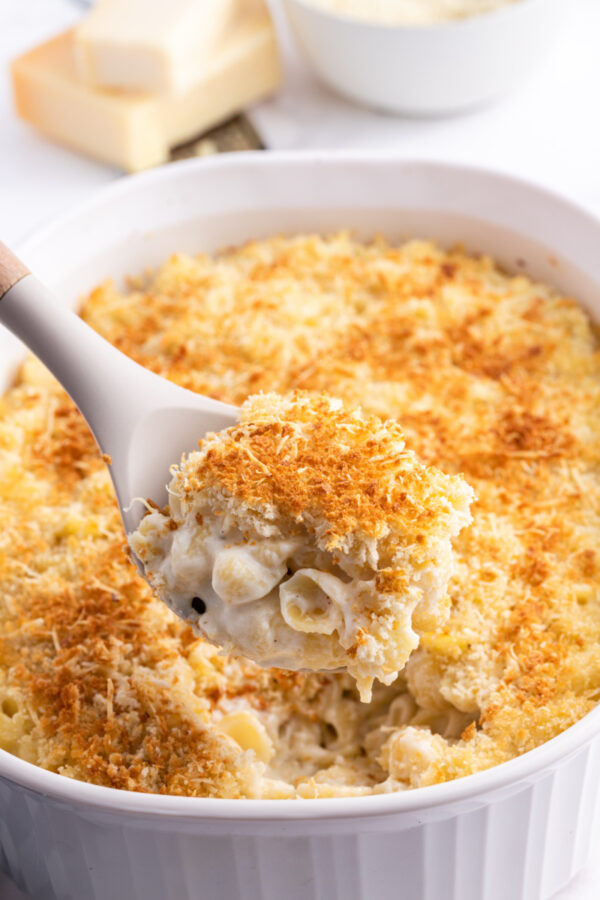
[549, 131]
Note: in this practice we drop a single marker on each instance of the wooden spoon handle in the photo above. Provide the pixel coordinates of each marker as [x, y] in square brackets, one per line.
[11, 269]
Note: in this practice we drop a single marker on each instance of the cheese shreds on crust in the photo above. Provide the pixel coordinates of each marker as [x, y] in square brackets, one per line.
[308, 536]
[490, 375]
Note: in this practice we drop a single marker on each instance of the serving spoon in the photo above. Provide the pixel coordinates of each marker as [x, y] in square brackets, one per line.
[142, 423]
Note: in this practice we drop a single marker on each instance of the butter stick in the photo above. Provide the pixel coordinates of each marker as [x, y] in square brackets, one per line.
[135, 130]
[150, 45]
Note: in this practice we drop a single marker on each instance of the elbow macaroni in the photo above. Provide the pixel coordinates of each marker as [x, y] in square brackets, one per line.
[249, 733]
[313, 602]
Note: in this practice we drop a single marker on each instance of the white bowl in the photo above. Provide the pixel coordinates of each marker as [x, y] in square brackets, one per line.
[429, 69]
[516, 832]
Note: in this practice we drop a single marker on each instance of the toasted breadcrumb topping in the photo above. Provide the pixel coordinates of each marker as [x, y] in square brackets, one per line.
[491, 375]
[354, 471]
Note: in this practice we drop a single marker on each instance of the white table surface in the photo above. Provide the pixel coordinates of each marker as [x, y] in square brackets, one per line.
[549, 131]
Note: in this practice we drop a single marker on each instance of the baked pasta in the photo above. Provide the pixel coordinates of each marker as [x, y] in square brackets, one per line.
[490, 375]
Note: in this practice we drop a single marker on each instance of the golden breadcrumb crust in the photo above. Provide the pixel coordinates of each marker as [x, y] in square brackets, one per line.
[305, 453]
[489, 375]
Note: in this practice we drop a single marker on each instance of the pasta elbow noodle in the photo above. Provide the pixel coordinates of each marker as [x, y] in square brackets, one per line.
[239, 578]
[250, 734]
[308, 601]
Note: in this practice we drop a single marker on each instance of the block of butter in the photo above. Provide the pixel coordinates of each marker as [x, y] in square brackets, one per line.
[150, 45]
[136, 130]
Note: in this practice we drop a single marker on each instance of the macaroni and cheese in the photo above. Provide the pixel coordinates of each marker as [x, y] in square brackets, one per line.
[491, 375]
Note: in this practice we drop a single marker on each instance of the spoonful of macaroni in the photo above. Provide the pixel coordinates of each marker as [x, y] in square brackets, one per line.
[300, 534]
[307, 536]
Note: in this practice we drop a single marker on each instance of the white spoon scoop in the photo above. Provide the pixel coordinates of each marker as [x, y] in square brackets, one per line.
[142, 422]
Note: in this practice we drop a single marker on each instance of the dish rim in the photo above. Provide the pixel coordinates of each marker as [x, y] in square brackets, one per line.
[512, 773]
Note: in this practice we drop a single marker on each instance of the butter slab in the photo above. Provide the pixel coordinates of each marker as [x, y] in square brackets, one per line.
[149, 45]
[136, 130]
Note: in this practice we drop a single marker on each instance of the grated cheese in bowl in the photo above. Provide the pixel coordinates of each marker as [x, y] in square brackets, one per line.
[410, 12]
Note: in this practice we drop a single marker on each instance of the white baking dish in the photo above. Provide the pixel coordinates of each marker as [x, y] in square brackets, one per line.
[516, 832]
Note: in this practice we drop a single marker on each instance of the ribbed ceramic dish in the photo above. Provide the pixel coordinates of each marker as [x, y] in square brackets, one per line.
[519, 831]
